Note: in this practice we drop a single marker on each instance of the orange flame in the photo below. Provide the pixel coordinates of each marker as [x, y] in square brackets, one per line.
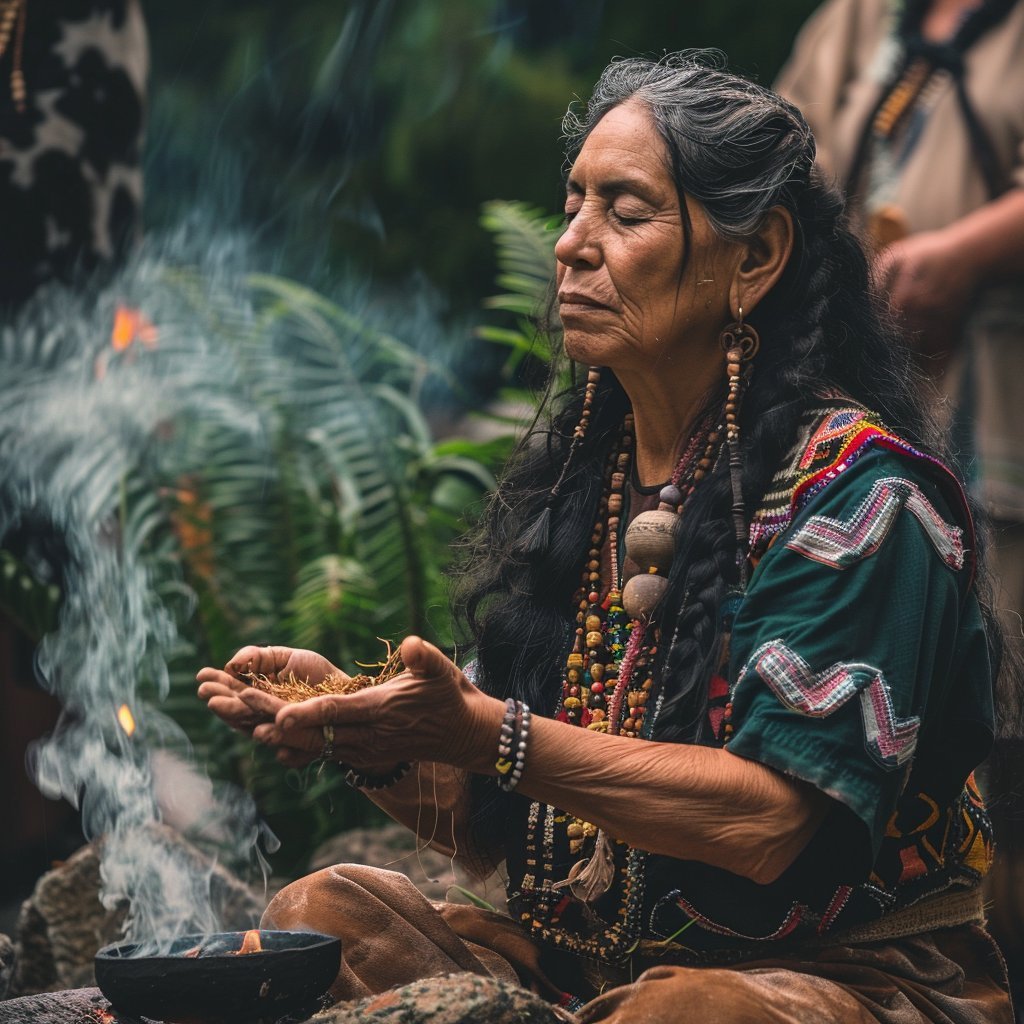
[131, 325]
[126, 719]
[251, 943]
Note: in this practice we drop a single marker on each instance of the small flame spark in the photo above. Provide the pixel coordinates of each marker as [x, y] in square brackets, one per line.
[251, 943]
[126, 719]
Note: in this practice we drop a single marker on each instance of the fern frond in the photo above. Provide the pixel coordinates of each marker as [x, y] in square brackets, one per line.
[525, 238]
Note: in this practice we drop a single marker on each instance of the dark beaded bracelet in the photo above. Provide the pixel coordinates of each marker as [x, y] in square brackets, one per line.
[364, 780]
[509, 777]
[506, 738]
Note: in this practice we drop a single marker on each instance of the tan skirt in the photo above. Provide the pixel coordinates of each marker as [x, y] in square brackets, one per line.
[408, 960]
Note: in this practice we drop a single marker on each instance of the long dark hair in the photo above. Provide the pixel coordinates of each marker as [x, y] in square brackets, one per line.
[739, 150]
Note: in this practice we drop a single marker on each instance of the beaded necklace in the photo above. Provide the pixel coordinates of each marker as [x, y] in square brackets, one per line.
[606, 686]
[607, 679]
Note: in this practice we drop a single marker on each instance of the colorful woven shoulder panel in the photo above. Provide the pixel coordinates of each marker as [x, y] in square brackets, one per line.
[833, 437]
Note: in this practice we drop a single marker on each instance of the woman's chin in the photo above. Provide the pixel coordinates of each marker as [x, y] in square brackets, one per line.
[587, 347]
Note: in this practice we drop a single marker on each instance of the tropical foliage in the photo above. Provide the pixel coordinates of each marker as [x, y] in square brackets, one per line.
[265, 448]
[262, 448]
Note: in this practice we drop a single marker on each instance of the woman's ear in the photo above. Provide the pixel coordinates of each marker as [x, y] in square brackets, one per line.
[765, 256]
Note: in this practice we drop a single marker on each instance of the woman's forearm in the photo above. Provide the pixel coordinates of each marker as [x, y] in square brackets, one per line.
[695, 803]
[990, 240]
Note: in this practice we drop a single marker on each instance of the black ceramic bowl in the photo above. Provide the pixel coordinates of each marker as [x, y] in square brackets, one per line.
[289, 975]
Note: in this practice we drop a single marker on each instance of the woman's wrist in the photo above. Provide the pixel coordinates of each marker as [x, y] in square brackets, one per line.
[486, 715]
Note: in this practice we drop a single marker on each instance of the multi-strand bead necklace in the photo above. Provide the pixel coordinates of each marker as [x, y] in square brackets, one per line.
[608, 680]
[606, 687]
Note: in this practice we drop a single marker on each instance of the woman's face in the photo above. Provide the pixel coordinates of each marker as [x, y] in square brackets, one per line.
[633, 293]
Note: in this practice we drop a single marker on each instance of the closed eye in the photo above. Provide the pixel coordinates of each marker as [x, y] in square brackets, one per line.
[627, 219]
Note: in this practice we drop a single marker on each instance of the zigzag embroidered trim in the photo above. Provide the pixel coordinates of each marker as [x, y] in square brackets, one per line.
[790, 923]
[836, 427]
[889, 740]
[835, 908]
[841, 543]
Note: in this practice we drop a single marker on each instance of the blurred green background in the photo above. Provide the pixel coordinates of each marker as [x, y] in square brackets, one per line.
[321, 258]
[362, 136]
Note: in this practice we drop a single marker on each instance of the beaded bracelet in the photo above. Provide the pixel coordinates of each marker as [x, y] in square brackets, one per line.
[509, 777]
[504, 764]
[364, 780]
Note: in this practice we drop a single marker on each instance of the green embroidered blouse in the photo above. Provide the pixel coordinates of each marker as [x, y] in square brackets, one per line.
[858, 663]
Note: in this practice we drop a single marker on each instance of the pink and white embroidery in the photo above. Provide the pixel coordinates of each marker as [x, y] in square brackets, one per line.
[840, 544]
[839, 424]
[790, 922]
[889, 740]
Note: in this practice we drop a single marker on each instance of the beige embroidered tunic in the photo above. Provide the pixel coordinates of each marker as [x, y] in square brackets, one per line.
[842, 60]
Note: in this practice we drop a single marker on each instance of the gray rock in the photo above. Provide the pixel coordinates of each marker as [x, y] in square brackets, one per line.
[6, 965]
[80, 1006]
[61, 925]
[452, 999]
[395, 847]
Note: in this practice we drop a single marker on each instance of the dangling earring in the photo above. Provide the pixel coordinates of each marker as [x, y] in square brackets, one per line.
[740, 343]
[536, 539]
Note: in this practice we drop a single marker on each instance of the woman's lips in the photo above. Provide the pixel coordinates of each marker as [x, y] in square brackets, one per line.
[573, 302]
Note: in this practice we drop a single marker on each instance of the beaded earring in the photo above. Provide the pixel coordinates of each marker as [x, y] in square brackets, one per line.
[740, 343]
[536, 539]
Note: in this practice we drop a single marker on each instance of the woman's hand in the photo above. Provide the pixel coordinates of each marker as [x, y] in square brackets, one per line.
[230, 696]
[431, 712]
[929, 285]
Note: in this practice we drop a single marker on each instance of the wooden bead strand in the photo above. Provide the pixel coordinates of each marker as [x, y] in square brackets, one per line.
[740, 343]
[536, 540]
[651, 537]
[591, 662]
[580, 430]
[13, 15]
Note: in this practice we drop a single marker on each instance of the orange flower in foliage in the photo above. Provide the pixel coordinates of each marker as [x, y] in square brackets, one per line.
[132, 325]
[192, 518]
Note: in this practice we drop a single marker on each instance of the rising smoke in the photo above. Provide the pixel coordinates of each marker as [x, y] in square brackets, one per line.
[89, 425]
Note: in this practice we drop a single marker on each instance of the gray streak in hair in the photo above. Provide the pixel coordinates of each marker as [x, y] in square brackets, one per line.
[737, 148]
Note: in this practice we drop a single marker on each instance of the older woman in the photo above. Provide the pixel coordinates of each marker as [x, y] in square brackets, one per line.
[731, 669]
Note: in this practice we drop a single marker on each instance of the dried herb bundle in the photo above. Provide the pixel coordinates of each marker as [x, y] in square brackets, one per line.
[293, 689]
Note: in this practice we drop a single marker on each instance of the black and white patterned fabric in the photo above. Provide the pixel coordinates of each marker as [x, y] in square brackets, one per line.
[70, 173]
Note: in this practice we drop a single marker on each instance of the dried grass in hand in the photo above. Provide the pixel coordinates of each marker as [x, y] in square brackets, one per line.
[292, 689]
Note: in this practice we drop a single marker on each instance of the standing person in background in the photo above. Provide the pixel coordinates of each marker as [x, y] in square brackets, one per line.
[918, 110]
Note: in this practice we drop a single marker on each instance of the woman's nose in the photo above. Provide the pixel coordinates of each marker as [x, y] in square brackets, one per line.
[578, 244]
